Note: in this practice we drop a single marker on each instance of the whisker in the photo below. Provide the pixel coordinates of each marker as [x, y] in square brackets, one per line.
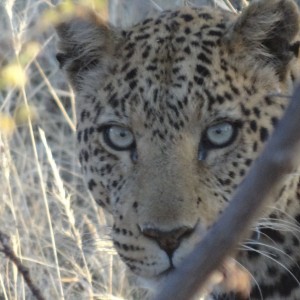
[274, 260]
[283, 212]
[252, 277]
[282, 227]
[274, 220]
[247, 248]
[273, 248]
[288, 216]
[277, 221]
[266, 236]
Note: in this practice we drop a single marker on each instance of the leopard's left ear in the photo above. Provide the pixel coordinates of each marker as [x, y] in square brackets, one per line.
[85, 41]
[265, 32]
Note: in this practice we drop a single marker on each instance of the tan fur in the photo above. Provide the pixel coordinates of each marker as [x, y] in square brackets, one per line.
[167, 80]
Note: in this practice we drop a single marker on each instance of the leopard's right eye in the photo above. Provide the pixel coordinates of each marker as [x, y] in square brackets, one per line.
[118, 138]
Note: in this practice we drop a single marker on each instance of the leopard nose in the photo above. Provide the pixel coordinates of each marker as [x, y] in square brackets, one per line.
[168, 241]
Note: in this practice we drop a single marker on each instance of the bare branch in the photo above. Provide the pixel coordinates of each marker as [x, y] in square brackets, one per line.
[9, 253]
[280, 157]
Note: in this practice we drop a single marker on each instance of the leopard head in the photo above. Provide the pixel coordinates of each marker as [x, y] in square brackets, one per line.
[171, 113]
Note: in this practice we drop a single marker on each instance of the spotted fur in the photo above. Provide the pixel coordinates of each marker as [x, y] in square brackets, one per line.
[168, 79]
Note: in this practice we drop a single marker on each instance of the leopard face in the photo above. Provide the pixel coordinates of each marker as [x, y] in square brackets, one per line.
[171, 114]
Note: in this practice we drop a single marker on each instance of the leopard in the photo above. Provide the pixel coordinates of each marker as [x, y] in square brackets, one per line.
[172, 112]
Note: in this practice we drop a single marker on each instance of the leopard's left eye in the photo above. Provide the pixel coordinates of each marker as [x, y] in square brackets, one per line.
[118, 138]
[220, 135]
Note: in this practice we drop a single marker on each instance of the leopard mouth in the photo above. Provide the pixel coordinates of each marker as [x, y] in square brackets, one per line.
[166, 272]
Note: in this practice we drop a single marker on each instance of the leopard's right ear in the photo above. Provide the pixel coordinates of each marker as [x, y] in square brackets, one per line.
[85, 41]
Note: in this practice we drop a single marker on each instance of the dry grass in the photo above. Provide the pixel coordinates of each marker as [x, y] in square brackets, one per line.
[54, 226]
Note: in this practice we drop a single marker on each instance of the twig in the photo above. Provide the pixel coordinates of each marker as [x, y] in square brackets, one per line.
[8, 251]
[280, 157]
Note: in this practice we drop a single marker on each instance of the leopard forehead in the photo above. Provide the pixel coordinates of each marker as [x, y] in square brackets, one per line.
[156, 67]
[172, 70]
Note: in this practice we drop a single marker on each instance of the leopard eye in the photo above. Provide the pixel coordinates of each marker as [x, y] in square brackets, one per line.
[220, 135]
[118, 138]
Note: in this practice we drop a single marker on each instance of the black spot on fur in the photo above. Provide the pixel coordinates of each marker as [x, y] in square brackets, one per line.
[203, 71]
[297, 218]
[204, 58]
[268, 100]
[287, 283]
[256, 112]
[295, 241]
[274, 235]
[274, 121]
[253, 126]
[133, 84]
[253, 253]
[248, 162]
[215, 33]
[91, 184]
[187, 17]
[131, 74]
[272, 271]
[180, 39]
[114, 183]
[79, 133]
[245, 110]
[263, 134]
[209, 44]
[205, 16]
[146, 52]
[198, 80]
[142, 37]
[187, 30]
[85, 135]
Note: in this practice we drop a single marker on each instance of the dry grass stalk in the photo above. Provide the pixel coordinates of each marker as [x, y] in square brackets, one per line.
[10, 254]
